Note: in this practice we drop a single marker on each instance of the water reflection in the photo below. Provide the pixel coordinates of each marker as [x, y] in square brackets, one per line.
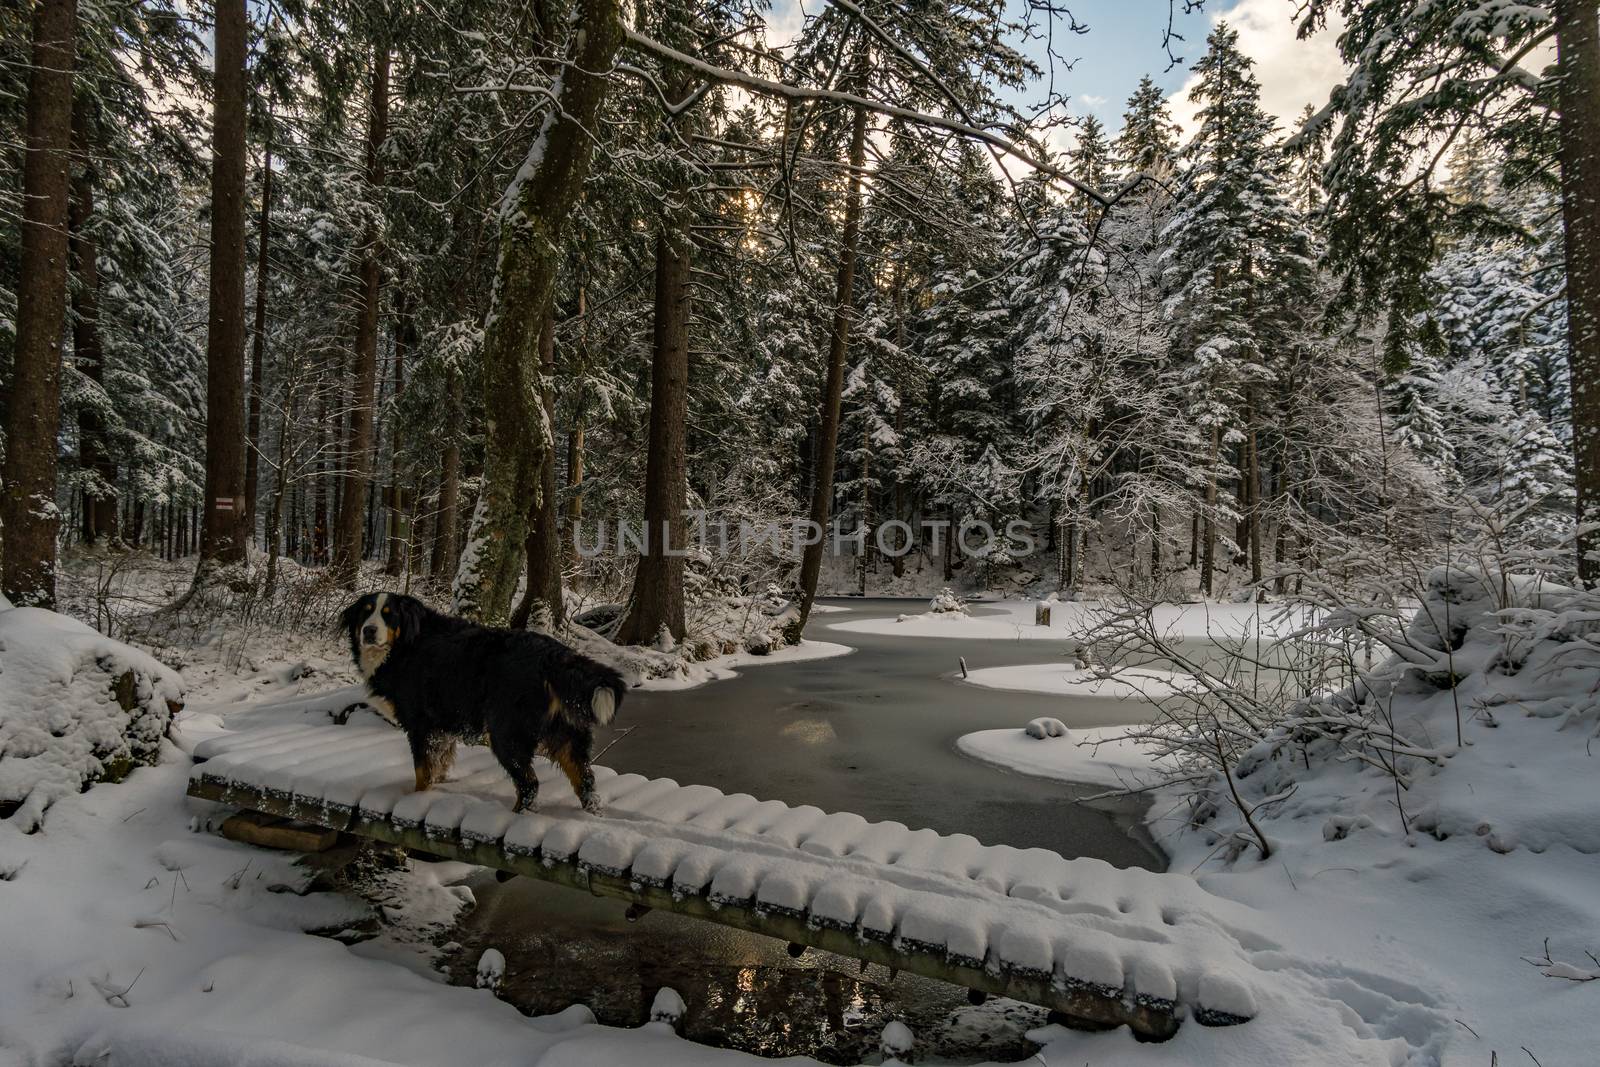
[741, 991]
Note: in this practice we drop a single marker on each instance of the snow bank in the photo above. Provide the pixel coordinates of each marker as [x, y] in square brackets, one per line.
[1452, 906]
[1101, 755]
[1060, 679]
[75, 706]
[723, 667]
[1013, 620]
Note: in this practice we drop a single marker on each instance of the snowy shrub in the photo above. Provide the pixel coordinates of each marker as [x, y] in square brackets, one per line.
[1359, 715]
[75, 707]
[1045, 728]
[946, 602]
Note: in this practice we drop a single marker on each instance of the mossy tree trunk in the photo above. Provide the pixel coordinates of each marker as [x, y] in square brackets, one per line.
[534, 215]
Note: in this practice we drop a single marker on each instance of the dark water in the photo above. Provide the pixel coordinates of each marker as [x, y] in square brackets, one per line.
[872, 732]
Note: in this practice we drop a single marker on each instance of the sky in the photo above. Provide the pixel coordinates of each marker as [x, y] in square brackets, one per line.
[1123, 43]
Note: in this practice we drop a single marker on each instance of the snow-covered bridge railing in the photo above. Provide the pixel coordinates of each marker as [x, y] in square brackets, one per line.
[1100, 944]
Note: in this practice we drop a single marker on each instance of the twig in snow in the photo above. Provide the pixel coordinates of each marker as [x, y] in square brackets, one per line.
[145, 924]
[963, 661]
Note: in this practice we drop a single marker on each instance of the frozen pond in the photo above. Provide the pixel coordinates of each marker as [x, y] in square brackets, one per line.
[873, 733]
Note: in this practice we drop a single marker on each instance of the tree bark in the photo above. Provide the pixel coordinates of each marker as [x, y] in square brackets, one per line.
[838, 343]
[657, 601]
[221, 535]
[541, 601]
[359, 455]
[98, 516]
[1578, 61]
[28, 509]
[258, 346]
[534, 215]
[1208, 522]
[443, 560]
[400, 494]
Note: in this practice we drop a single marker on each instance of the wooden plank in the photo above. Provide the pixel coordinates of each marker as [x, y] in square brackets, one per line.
[1150, 1017]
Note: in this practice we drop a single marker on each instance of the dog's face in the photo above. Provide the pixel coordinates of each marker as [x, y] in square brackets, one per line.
[376, 623]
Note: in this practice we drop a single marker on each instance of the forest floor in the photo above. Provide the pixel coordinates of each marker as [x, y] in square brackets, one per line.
[1452, 927]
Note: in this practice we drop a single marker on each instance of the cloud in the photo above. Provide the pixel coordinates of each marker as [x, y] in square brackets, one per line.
[1095, 102]
[1292, 72]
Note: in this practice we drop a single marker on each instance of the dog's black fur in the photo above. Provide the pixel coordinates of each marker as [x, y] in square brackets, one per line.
[447, 679]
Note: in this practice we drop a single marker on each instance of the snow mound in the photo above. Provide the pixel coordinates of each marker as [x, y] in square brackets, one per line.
[1046, 727]
[1103, 755]
[897, 1040]
[1058, 679]
[668, 1007]
[946, 602]
[491, 969]
[75, 707]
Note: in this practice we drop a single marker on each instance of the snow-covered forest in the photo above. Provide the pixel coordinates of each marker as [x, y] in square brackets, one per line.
[387, 286]
[684, 331]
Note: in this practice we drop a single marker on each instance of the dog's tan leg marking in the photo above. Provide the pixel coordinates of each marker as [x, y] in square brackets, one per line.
[441, 757]
[423, 781]
[570, 767]
[553, 707]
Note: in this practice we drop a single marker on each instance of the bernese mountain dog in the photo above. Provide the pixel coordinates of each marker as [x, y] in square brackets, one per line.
[443, 680]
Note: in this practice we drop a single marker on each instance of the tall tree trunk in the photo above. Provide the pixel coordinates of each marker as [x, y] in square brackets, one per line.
[28, 513]
[275, 513]
[657, 601]
[442, 563]
[1208, 521]
[258, 344]
[575, 439]
[838, 343]
[866, 507]
[221, 536]
[534, 215]
[1578, 60]
[541, 601]
[99, 500]
[400, 492]
[1252, 475]
[359, 454]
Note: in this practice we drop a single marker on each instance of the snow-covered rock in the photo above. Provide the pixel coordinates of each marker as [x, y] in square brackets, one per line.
[491, 969]
[668, 1007]
[1046, 727]
[896, 1042]
[75, 707]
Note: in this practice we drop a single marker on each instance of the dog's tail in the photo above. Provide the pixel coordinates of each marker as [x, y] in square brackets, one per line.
[588, 691]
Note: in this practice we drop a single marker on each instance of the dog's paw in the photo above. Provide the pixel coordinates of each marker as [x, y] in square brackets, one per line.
[594, 807]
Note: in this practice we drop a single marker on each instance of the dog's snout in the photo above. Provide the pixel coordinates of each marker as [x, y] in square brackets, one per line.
[369, 633]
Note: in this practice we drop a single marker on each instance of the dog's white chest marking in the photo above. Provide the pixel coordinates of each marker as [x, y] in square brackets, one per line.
[372, 657]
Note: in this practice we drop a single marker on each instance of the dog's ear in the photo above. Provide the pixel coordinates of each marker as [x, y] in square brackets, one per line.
[410, 614]
[351, 615]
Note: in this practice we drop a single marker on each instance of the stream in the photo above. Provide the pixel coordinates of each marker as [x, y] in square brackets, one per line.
[872, 732]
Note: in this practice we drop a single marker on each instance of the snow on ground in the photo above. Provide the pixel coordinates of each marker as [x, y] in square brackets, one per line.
[712, 670]
[133, 934]
[1064, 679]
[61, 721]
[1102, 755]
[1013, 620]
[1455, 914]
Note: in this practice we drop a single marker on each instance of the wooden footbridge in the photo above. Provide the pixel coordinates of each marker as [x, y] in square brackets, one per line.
[1103, 946]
